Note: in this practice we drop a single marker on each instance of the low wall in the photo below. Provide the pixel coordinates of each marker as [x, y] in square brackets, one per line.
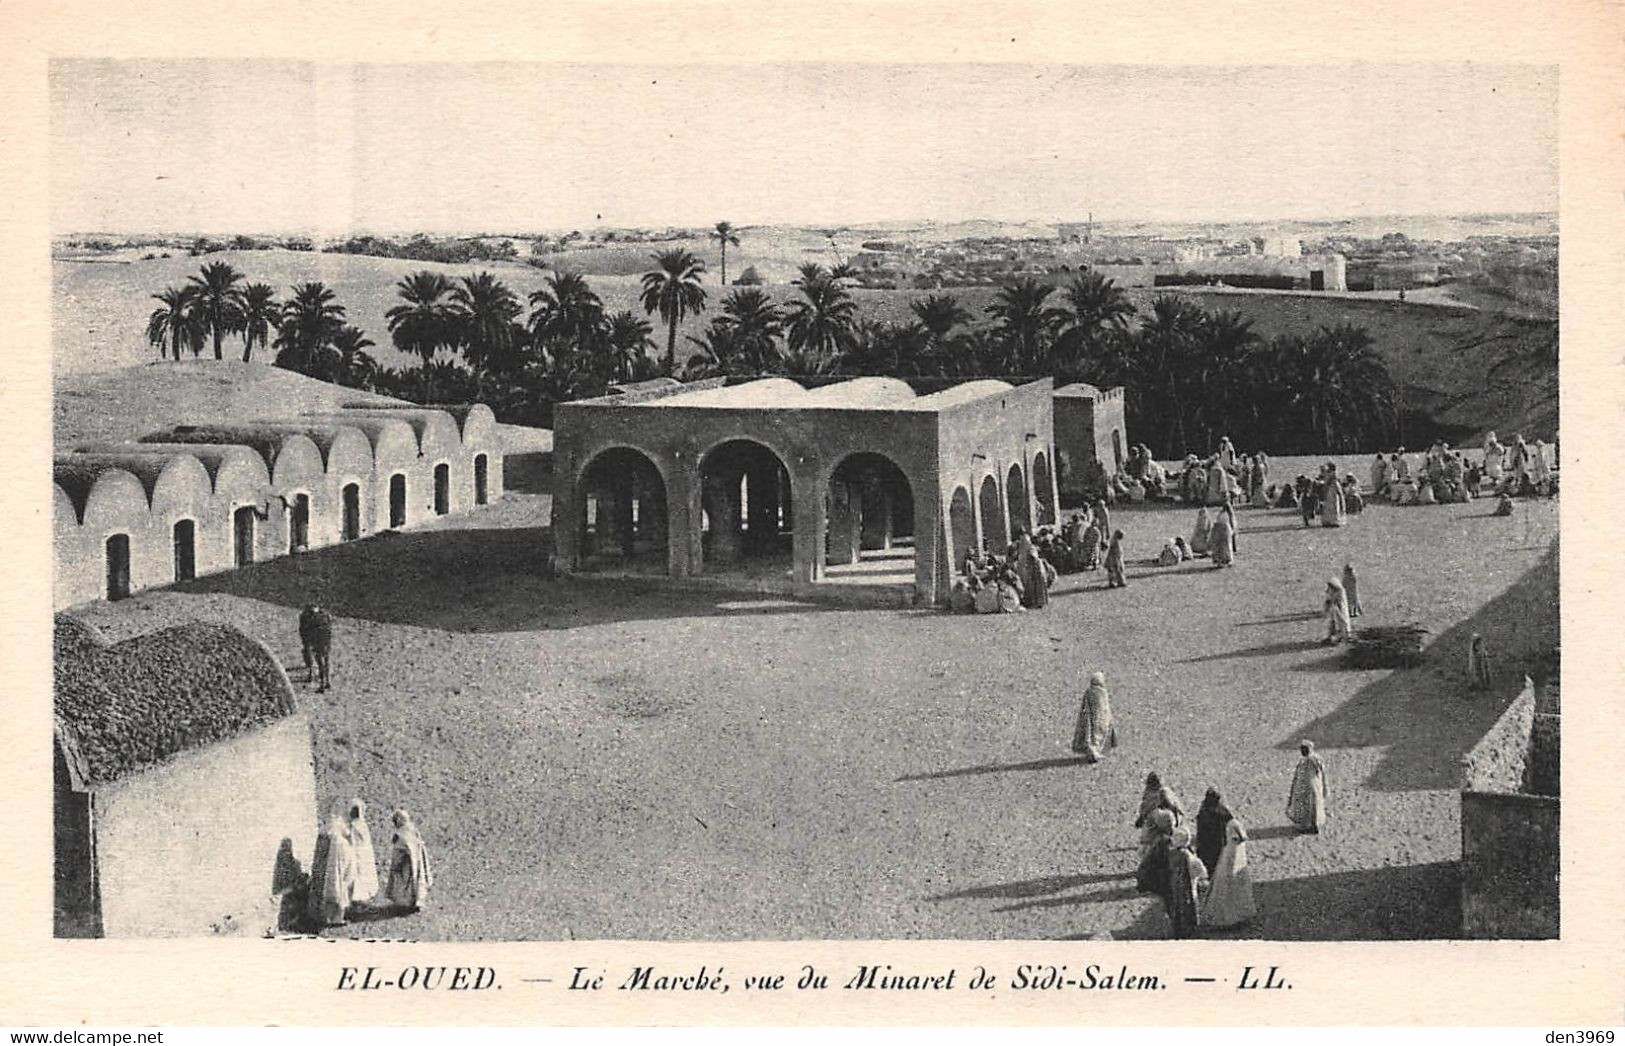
[1509, 865]
[210, 835]
[1497, 763]
[1510, 856]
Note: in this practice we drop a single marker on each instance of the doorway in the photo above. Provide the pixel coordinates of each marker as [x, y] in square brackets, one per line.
[118, 566]
[299, 524]
[480, 494]
[352, 511]
[397, 500]
[442, 489]
[242, 526]
[185, 550]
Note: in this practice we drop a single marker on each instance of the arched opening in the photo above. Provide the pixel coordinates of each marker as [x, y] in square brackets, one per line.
[442, 489]
[1043, 490]
[242, 529]
[869, 513]
[622, 514]
[299, 523]
[1117, 451]
[351, 497]
[185, 538]
[994, 534]
[118, 566]
[481, 491]
[961, 528]
[397, 500]
[1015, 492]
[745, 501]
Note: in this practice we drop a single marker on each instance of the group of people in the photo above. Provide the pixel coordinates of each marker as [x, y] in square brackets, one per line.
[1445, 476]
[1015, 580]
[344, 868]
[1214, 537]
[1202, 877]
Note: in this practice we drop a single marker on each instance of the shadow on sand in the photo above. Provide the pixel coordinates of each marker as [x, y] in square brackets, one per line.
[1406, 902]
[997, 768]
[1023, 889]
[1427, 718]
[478, 580]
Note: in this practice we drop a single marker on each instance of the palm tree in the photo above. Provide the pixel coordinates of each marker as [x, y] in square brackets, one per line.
[674, 291]
[484, 311]
[427, 322]
[1094, 305]
[757, 325]
[629, 341]
[819, 327]
[938, 315]
[352, 365]
[1219, 370]
[174, 322]
[1344, 388]
[1163, 351]
[261, 315]
[219, 302]
[311, 320]
[724, 234]
[1024, 322]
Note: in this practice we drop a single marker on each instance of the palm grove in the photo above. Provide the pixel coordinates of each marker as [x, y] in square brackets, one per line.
[1190, 375]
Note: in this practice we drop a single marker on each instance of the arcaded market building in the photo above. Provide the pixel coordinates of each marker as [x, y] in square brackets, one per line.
[860, 481]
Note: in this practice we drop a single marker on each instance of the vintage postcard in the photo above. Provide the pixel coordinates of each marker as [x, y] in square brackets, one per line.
[890, 514]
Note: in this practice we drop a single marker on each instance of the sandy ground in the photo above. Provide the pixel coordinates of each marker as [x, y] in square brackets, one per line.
[598, 759]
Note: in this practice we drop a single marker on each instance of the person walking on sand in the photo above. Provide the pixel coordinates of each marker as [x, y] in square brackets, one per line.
[1306, 801]
[1336, 609]
[332, 874]
[1186, 879]
[1230, 897]
[1480, 672]
[1210, 821]
[1351, 590]
[357, 834]
[1094, 735]
[316, 639]
[1114, 563]
[1223, 540]
[409, 873]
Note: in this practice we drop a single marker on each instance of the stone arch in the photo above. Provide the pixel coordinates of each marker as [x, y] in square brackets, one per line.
[1043, 489]
[621, 510]
[869, 505]
[1015, 492]
[745, 490]
[990, 507]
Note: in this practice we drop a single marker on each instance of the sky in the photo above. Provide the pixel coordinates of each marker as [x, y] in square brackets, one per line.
[290, 147]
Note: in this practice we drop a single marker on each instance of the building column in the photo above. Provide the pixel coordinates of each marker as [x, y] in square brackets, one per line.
[844, 523]
[567, 515]
[1053, 494]
[620, 515]
[682, 520]
[763, 507]
[933, 545]
[875, 500]
[721, 504]
[807, 500]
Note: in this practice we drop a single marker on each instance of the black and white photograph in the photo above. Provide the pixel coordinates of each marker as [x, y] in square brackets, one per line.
[524, 501]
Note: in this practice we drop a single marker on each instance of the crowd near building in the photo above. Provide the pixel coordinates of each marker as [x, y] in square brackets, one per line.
[197, 499]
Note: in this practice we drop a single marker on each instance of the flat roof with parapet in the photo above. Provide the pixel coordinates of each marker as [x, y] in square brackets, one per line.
[867, 394]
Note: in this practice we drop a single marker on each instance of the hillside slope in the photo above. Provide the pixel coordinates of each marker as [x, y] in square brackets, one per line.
[130, 402]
